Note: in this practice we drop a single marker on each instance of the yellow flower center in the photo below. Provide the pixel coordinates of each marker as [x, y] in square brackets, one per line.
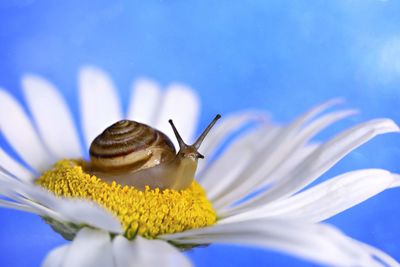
[148, 213]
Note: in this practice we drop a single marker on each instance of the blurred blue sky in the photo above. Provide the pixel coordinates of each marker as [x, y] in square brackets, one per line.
[280, 56]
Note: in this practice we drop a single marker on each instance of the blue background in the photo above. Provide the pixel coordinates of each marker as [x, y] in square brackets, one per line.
[281, 56]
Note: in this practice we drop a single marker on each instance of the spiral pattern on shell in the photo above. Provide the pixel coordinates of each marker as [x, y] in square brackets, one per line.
[130, 144]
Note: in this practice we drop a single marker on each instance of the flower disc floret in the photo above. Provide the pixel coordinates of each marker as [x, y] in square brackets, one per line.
[148, 213]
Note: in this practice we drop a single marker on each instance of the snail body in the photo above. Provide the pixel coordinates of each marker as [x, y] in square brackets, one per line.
[135, 154]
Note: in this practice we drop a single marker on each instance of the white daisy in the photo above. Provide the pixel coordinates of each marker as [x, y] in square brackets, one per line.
[276, 161]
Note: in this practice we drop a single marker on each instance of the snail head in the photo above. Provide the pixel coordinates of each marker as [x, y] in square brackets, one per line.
[191, 151]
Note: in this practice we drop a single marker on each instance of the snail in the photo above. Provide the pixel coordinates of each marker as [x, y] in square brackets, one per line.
[135, 154]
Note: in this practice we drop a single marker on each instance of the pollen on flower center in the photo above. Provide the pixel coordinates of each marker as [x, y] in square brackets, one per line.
[148, 213]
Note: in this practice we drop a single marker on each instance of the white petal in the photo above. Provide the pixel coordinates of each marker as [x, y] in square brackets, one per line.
[226, 126]
[314, 112]
[326, 199]
[181, 104]
[271, 159]
[288, 150]
[145, 101]
[100, 105]
[150, 253]
[293, 128]
[90, 248]
[219, 202]
[318, 162]
[16, 206]
[226, 169]
[14, 167]
[13, 189]
[21, 135]
[52, 117]
[298, 156]
[396, 182]
[44, 203]
[81, 211]
[382, 256]
[262, 146]
[315, 242]
[336, 195]
[76, 210]
[55, 258]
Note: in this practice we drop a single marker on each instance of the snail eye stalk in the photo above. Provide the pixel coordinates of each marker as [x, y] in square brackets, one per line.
[199, 140]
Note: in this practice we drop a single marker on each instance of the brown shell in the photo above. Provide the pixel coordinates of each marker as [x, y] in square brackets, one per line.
[130, 145]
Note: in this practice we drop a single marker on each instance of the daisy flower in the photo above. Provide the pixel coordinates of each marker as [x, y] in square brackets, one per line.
[253, 192]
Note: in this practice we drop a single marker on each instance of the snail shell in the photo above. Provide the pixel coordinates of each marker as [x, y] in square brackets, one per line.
[130, 145]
